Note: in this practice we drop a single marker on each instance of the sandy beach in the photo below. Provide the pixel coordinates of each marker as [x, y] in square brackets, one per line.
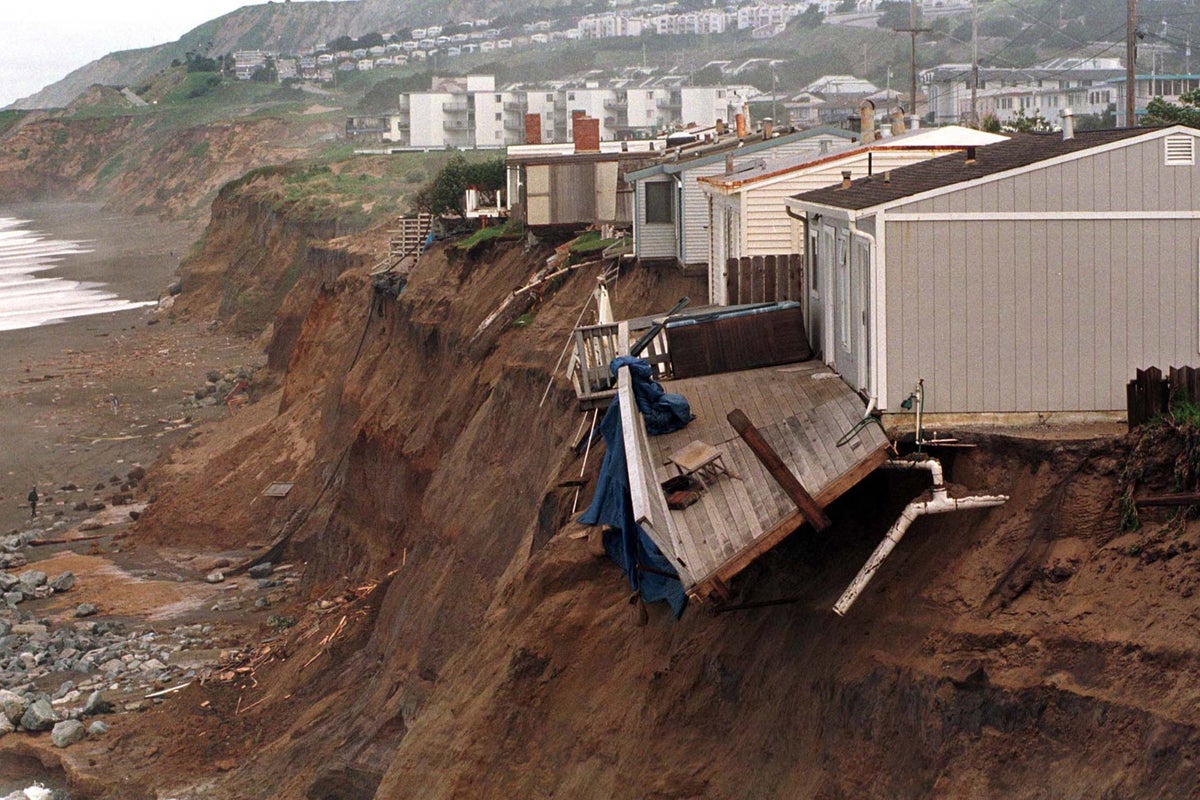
[57, 418]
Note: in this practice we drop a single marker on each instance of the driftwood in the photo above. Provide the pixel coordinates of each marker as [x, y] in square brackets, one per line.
[69, 540]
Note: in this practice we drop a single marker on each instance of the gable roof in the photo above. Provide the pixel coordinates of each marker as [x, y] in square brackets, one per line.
[950, 137]
[715, 153]
[1020, 151]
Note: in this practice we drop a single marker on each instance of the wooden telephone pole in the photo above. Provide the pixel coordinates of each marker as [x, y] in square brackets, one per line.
[1130, 63]
[912, 30]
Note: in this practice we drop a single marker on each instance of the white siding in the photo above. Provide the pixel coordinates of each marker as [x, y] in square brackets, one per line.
[653, 241]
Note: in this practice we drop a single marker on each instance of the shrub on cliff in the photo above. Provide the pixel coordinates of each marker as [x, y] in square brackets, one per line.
[445, 193]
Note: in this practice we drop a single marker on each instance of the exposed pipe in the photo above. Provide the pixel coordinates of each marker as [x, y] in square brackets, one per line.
[941, 503]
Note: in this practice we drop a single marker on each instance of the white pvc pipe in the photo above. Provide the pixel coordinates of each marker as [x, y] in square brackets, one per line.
[940, 504]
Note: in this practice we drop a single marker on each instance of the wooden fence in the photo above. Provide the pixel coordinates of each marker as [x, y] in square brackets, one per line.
[764, 279]
[1148, 395]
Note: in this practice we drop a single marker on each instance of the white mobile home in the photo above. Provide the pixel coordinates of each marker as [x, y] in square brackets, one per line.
[1029, 277]
[744, 211]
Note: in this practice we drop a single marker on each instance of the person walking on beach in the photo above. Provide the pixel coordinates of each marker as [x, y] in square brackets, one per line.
[33, 498]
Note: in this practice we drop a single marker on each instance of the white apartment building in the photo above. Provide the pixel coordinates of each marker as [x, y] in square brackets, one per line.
[470, 112]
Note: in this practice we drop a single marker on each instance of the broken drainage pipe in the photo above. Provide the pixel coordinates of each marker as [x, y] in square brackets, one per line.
[940, 504]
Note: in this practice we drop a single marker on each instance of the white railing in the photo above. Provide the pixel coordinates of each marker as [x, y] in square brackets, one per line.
[650, 509]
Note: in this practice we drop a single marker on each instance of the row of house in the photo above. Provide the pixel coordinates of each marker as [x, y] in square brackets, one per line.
[763, 19]
[1085, 85]
[471, 112]
[1008, 275]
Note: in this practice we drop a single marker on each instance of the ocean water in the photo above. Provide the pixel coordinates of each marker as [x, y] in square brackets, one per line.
[28, 297]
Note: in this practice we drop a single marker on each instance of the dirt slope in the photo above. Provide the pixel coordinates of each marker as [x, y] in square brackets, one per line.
[1025, 652]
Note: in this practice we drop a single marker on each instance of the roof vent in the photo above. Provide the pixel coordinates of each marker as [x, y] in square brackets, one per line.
[970, 155]
[1180, 150]
[1068, 126]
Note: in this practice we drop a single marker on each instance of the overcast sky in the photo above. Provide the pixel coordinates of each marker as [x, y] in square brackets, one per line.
[43, 40]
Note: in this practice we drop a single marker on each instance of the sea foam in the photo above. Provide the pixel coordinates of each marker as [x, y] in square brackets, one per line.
[28, 299]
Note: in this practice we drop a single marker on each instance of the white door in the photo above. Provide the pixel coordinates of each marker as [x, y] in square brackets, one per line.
[820, 293]
[849, 314]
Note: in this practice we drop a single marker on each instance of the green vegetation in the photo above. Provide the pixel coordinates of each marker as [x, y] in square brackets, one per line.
[356, 191]
[10, 118]
[480, 238]
[1185, 112]
[444, 194]
[589, 244]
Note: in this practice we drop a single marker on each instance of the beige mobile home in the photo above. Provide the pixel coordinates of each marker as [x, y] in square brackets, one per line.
[1027, 277]
[670, 220]
[746, 215]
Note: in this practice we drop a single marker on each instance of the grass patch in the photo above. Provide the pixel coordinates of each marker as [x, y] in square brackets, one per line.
[479, 239]
[10, 118]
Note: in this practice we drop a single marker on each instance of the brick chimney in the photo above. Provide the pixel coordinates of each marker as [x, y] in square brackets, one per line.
[587, 135]
[533, 129]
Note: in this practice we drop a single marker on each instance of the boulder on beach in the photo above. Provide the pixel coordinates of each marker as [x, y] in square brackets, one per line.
[67, 733]
[39, 716]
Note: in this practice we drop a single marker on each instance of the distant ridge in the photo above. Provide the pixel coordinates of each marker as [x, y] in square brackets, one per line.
[283, 26]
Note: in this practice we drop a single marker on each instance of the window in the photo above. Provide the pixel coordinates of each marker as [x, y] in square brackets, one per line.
[659, 208]
[1180, 150]
[499, 98]
[499, 116]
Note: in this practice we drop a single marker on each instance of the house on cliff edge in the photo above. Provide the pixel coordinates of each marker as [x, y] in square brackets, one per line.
[1026, 277]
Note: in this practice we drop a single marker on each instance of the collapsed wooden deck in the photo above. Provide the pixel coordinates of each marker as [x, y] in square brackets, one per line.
[802, 410]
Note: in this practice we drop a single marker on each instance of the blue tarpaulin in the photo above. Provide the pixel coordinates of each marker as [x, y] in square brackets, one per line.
[625, 541]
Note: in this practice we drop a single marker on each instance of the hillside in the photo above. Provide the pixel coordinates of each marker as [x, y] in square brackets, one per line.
[282, 27]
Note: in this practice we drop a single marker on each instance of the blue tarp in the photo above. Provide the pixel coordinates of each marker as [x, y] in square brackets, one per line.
[625, 541]
[663, 412]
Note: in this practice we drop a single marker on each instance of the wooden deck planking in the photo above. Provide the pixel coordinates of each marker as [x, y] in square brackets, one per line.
[802, 417]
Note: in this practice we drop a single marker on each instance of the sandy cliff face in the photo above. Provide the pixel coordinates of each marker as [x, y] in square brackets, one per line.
[1031, 651]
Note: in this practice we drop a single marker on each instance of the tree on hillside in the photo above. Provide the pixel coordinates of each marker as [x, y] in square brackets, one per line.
[895, 16]
[811, 17]
[708, 76]
[445, 193]
[1185, 112]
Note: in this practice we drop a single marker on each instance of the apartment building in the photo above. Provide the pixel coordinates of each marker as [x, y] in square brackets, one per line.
[471, 112]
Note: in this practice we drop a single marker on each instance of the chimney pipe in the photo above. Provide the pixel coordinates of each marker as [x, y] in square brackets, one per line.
[1068, 118]
[898, 122]
[870, 163]
[768, 127]
[728, 163]
[887, 176]
[740, 119]
[845, 179]
[720, 126]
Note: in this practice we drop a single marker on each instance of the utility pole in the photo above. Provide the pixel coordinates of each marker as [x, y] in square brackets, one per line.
[912, 30]
[975, 62]
[1130, 62]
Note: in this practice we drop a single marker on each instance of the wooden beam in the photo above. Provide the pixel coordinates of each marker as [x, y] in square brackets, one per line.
[779, 471]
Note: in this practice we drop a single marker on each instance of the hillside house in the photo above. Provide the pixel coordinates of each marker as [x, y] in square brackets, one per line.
[1030, 276]
[744, 212]
[671, 218]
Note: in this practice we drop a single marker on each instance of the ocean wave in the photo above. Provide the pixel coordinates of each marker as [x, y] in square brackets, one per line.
[28, 300]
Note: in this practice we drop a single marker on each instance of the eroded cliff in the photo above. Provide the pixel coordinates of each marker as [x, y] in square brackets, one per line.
[1036, 650]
